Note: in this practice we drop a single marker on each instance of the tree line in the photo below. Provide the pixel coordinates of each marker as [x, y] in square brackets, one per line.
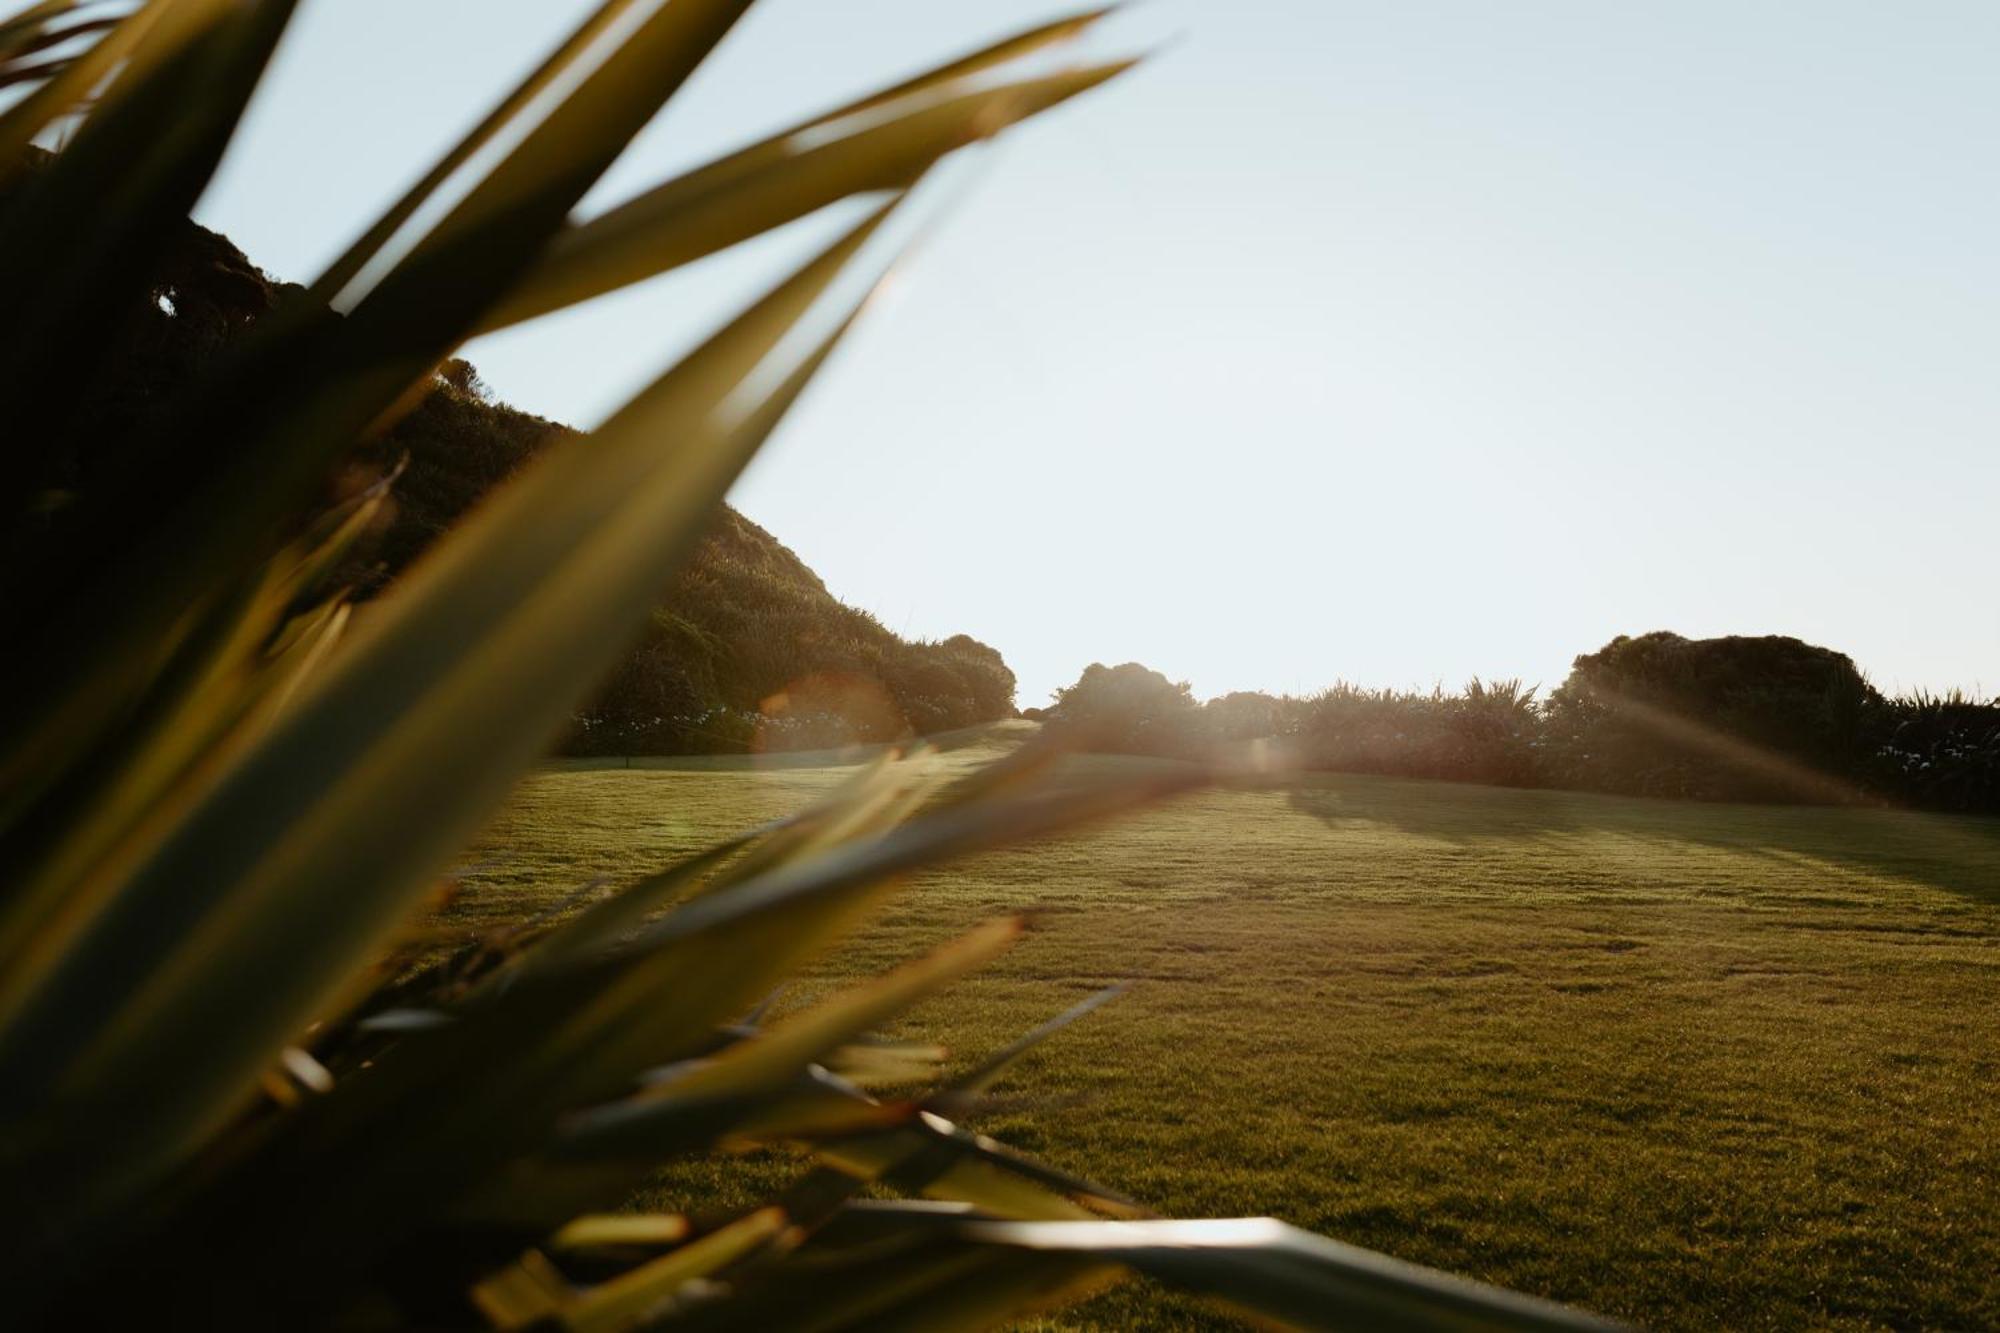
[1764, 718]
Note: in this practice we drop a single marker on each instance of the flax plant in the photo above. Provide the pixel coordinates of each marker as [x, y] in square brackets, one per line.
[232, 1092]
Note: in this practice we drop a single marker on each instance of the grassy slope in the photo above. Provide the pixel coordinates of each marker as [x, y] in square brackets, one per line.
[1697, 1065]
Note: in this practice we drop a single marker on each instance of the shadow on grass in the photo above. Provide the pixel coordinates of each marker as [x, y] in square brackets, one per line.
[997, 737]
[1960, 853]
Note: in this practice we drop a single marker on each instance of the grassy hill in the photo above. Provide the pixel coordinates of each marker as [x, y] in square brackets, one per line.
[1698, 1065]
[748, 649]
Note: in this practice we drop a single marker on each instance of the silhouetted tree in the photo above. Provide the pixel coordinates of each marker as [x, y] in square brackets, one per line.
[1128, 708]
[1735, 718]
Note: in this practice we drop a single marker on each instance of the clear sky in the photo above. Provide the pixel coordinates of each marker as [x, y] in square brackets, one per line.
[1393, 342]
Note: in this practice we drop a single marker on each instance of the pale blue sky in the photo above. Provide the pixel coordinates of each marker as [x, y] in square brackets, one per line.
[1396, 341]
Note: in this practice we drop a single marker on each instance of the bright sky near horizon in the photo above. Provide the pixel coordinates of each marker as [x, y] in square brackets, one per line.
[1395, 342]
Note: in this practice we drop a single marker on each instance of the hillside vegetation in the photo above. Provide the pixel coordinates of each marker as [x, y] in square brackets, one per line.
[748, 650]
[1701, 1066]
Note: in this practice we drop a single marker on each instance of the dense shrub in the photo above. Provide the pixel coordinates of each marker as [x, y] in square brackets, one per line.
[1245, 715]
[202, 293]
[1129, 709]
[1733, 718]
[1487, 733]
[1939, 752]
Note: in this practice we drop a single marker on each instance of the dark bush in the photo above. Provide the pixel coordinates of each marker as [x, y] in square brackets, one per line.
[1734, 718]
[1938, 752]
[1127, 709]
[1245, 715]
[1488, 733]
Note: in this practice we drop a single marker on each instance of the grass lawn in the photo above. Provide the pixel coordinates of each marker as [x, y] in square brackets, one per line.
[1698, 1066]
